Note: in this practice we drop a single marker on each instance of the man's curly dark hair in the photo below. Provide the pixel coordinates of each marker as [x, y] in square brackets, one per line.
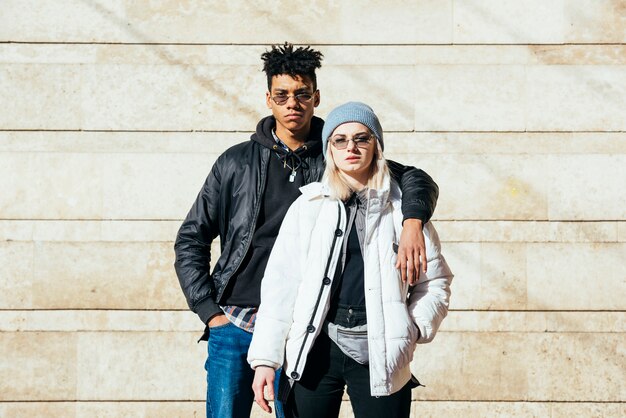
[284, 59]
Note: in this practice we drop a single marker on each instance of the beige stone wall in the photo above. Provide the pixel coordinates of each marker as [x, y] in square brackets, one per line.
[114, 111]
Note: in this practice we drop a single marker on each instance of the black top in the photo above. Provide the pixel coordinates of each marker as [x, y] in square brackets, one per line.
[351, 291]
[245, 287]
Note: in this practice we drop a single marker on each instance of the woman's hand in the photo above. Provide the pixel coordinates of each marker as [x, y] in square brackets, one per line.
[263, 376]
[411, 251]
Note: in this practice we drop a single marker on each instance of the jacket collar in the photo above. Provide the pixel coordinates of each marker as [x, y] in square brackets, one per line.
[377, 198]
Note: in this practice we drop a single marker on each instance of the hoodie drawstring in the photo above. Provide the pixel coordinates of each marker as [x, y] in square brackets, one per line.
[296, 163]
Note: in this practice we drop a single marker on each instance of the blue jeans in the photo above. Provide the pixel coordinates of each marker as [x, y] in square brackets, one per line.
[229, 376]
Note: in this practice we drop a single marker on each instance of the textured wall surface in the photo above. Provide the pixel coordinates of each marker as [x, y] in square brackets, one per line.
[114, 111]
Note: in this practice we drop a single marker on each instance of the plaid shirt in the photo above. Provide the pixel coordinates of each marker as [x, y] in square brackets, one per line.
[242, 317]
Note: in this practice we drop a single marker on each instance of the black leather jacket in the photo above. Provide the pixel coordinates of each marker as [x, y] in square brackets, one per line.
[228, 206]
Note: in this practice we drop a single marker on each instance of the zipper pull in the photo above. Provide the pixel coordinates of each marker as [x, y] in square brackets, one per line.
[292, 176]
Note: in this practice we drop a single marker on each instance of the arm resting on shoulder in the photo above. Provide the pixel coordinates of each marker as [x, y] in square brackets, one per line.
[419, 191]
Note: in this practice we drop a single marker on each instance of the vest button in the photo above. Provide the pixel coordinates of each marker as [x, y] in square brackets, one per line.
[326, 281]
[295, 375]
[310, 329]
[338, 232]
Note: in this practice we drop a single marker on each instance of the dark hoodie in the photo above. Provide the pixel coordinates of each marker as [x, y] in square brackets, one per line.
[244, 288]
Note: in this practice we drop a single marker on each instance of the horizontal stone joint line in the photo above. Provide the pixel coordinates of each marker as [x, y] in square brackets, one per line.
[92, 309]
[541, 310]
[546, 221]
[343, 44]
[502, 401]
[187, 310]
[522, 131]
[195, 332]
[92, 219]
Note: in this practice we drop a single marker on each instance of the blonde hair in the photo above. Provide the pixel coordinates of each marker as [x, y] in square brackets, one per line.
[339, 187]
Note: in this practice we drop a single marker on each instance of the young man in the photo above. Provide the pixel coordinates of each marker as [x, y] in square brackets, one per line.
[244, 200]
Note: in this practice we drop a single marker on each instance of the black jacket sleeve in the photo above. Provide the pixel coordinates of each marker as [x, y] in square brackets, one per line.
[419, 191]
[193, 248]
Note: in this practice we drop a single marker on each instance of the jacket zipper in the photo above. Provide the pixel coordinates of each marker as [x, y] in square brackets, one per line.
[319, 295]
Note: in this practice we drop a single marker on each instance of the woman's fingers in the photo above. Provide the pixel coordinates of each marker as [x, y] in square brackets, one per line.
[263, 377]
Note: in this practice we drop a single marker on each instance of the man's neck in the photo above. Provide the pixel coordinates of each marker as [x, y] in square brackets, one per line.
[293, 140]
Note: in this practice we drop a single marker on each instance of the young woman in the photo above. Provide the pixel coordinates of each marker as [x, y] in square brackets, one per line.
[334, 311]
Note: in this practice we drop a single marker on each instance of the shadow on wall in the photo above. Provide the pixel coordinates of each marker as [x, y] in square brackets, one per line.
[208, 84]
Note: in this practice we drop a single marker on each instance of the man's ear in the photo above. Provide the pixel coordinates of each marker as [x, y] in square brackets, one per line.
[316, 98]
[267, 100]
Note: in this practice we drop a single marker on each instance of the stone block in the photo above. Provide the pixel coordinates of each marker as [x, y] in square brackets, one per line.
[140, 366]
[475, 409]
[595, 21]
[38, 366]
[589, 187]
[459, 321]
[487, 276]
[89, 231]
[238, 21]
[488, 187]
[66, 185]
[155, 409]
[469, 98]
[575, 98]
[41, 96]
[486, 366]
[538, 22]
[178, 91]
[519, 98]
[526, 231]
[538, 276]
[90, 275]
[420, 22]
[142, 186]
[136, 275]
[175, 96]
[621, 232]
[208, 143]
[509, 22]
[99, 321]
[101, 186]
[425, 144]
[426, 409]
[575, 277]
[536, 367]
[534, 322]
[17, 261]
[384, 87]
[37, 409]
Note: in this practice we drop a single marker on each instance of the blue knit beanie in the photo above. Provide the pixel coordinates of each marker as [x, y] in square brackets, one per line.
[352, 112]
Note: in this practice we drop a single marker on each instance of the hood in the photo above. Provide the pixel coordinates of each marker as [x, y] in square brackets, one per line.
[313, 145]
